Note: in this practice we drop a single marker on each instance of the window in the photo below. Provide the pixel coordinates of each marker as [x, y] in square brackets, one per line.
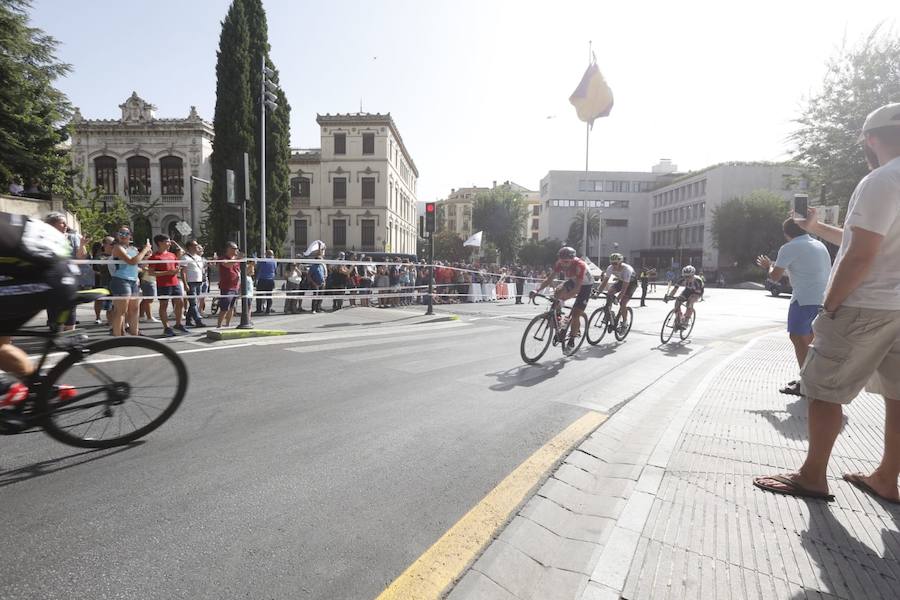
[138, 176]
[105, 167]
[368, 233]
[171, 176]
[340, 143]
[703, 188]
[535, 223]
[300, 189]
[340, 191]
[368, 191]
[616, 222]
[300, 234]
[368, 143]
[339, 232]
[535, 210]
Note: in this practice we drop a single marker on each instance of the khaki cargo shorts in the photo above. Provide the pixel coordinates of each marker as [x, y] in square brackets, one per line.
[854, 348]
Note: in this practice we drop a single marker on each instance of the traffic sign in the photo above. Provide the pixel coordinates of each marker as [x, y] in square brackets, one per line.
[183, 228]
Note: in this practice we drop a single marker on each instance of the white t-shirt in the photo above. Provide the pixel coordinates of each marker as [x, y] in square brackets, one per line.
[625, 275]
[875, 206]
[194, 266]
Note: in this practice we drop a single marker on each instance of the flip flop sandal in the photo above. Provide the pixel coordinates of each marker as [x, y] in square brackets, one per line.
[792, 489]
[792, 388]
[865, 488]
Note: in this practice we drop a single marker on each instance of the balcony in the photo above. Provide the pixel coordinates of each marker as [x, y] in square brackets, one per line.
[171, 199]
[139, 198]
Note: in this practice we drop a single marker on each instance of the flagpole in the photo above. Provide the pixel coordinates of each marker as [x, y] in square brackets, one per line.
[587, 149]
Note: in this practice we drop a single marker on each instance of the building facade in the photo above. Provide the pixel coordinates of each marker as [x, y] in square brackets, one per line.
[147, 161]
[455, 212]
[357, 191]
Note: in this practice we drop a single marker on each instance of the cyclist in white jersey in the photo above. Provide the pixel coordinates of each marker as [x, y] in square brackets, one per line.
[626, 281]
[693, 291]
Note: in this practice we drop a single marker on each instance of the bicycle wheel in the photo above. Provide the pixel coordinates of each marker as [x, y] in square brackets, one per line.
[582, 330]
[668, 327]
[624, 325]
[536, 338]
[121, 389]
[688, 327]
[596, 327]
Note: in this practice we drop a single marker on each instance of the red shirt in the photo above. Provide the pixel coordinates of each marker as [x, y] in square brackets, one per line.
[165, 280]
[229, 276]
[576, 270]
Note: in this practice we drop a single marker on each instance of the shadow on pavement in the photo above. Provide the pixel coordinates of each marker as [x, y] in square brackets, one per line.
[795, 426]
[526, 375]
[47, 467]
[829, 543]
[675, 349]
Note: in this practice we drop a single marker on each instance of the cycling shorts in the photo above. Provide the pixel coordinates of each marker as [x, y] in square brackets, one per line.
[584, 294]
[619, 284]
[686, 294]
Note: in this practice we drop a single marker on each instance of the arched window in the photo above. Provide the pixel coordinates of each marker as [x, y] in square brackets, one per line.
[105, 168]
[171, 173]
[138, 176]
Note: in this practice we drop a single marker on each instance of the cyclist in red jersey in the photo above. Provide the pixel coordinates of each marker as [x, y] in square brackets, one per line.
[578, 284]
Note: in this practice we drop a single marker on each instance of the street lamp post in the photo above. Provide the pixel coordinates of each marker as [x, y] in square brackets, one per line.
[267, 100]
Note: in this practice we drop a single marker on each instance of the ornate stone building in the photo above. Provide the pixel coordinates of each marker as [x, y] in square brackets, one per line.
[357, 191]
[147, 160]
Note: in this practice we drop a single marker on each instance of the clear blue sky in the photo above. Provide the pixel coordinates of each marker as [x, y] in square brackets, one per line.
[479, 89]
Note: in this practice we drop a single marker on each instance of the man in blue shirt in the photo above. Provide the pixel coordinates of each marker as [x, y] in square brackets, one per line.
[808, 264]
[265, 282]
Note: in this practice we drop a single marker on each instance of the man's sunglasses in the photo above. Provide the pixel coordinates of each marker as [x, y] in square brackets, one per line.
[123, 233]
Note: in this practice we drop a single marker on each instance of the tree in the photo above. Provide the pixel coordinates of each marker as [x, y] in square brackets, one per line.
[448, 246]
[744, 228]
[95, 217]
[32, 111]
[539, 253]
[857, 81]
[501, 214]
[576, 229]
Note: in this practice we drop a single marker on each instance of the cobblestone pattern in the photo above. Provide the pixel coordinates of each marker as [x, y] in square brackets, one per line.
[711, 534]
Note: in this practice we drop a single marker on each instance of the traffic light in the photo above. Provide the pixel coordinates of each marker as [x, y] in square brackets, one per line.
[429, 216]
[421, 226]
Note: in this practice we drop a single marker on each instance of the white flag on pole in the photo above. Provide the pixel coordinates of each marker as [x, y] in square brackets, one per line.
[593, 269]
[314, 247]
[474, 240]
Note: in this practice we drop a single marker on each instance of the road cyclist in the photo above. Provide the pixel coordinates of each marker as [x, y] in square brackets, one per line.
[578, 285]
[626, 282]
[692, 291]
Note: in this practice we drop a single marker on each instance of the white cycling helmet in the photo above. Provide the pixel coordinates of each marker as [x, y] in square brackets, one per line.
[688, 270]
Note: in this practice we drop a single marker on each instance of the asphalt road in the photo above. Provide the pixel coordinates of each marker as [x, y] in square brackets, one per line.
[320, 466]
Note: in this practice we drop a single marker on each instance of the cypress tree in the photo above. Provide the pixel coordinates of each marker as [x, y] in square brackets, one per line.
[233, 124]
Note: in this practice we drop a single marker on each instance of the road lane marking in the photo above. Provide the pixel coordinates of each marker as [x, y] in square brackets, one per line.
[432, 574]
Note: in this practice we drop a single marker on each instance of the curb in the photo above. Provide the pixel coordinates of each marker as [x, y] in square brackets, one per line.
[239, 334]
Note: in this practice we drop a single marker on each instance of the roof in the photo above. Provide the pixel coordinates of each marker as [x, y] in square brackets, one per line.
[368, 119]
[305, 155]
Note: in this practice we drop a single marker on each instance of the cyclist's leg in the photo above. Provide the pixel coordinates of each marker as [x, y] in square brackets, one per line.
[581, 302]
[690, 307]
[678, 314]
[14, 360]
[623, 300]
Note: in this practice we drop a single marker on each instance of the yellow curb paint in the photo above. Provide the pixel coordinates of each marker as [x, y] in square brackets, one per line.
[431, 575]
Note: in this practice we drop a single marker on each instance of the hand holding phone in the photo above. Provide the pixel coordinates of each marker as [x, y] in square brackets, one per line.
[801, 205]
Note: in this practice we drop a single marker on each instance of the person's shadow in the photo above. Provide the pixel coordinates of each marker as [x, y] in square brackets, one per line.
[843, 561]
[526, 375]
[795, 426]
[46, 467]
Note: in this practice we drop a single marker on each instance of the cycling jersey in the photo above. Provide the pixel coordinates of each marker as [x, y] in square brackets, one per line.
[693, 285]
[626, 274]
[576, 270]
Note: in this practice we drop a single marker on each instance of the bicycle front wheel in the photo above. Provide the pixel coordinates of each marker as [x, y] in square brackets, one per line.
[668, 328]
[624, 325]
[121, 389]
[536, 338]
[577, 341]
[688, 327]
[596, 327]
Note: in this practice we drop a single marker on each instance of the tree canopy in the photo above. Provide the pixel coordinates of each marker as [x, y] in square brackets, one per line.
[576, 230]
[540, 253]
[858, 80]
[448, 246]
[32, 111]
[501, 214]
[744, 228]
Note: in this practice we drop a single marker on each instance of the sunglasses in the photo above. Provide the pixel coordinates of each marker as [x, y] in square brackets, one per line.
[123, 233]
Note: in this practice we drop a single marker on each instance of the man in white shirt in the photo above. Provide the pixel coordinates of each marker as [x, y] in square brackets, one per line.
[193, 271]
[857, 335]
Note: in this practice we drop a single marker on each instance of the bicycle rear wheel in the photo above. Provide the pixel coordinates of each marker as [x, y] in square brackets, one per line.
[121, 389]
[536, 338]
[668, 327]
[688, 327]
[623, 327]
[582, 330]
[596, 327]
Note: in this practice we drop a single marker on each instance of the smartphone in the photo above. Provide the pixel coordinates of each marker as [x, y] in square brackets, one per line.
[801, 204]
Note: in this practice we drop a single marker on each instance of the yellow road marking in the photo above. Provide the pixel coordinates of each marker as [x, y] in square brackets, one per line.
[430, 576]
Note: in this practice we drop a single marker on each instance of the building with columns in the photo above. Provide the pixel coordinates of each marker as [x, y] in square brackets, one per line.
[357, 191]
[147, 161]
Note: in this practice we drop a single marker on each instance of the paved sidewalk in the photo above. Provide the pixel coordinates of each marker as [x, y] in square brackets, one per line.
[658, 502]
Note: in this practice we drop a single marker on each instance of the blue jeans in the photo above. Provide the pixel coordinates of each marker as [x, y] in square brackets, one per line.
[193, 313]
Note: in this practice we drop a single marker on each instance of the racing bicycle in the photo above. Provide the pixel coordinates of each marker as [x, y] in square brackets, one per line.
[550, 327]
[672, 324]
[98, 394]
[603, 321]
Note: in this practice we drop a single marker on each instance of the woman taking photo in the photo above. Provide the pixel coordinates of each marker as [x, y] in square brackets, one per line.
[124, 282]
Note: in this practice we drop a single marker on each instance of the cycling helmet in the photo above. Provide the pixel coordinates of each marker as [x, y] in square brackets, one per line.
[616, 257]
[688, 270]
[566, 252]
